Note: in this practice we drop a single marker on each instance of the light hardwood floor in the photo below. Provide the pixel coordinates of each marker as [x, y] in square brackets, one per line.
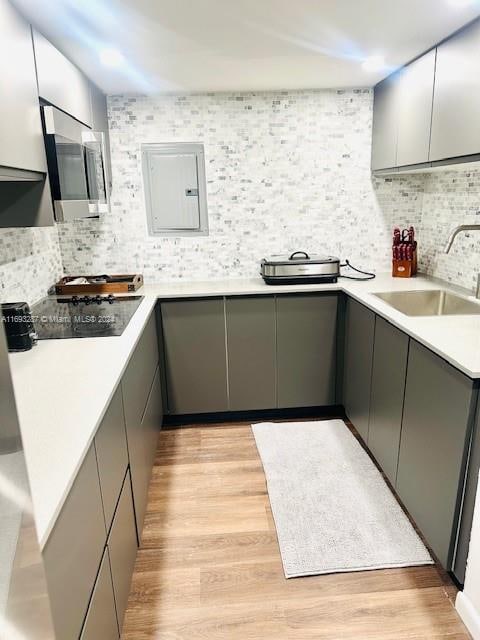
[210, 567]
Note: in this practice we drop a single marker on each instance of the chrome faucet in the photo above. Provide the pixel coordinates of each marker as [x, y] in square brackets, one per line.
[453, 235]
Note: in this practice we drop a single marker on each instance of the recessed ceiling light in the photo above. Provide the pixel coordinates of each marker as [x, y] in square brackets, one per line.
[374, 63]
[111, 57]
[460, 4]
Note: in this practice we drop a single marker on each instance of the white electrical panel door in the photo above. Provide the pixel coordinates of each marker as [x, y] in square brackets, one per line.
[174, 183]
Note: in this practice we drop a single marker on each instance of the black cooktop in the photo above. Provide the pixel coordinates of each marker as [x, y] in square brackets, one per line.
[83, 316]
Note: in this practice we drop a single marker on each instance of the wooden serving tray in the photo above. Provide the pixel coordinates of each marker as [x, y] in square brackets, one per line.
[117, 284]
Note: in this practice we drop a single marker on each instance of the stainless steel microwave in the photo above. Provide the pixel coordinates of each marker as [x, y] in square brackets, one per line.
[76, 166]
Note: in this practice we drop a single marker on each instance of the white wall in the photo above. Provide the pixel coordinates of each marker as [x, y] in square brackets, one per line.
[468, 601]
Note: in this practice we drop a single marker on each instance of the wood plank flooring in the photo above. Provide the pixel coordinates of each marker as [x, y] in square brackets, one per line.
[210, 568]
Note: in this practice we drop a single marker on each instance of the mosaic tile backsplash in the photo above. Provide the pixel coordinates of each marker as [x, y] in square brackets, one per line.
[30, 262]
[285, 171]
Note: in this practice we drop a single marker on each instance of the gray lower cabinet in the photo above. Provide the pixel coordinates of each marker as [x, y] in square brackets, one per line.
[388, 388]
[436, 417]
[358, 358]
[306, 350]
[251, 352]
[142, 401]
[143, 446]
[101, 620]
[122, 547]
[471, 485]
[22, 145]
[73, 551]
[112, 455]
[456, 104]
[195, 355]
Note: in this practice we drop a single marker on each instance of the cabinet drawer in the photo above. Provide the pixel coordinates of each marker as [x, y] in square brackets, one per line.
[73, 551]
[112, 455]
[142, 446]
[101, 620]
[138, 377]
[306, 350]
[122, 546]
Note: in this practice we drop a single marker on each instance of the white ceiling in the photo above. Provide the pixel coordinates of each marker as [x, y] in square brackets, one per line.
[221, 45]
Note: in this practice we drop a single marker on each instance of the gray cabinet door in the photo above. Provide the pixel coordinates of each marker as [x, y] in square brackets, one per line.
[357, 378]
[468, 506]
[306, 350]
[251, 353]
[456, 104]
[143, 446]
[385, 124]
[112, 455]
[101, 620]
[435, 424]
[60, 82]
[388, 388]
[415, 110]
[21, 135]
[73, 551]
[195, 355]
[122, 547]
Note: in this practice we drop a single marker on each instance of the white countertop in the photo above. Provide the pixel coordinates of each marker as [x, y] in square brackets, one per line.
[63, 387]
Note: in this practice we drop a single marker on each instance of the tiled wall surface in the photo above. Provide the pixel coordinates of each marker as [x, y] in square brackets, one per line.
[30, 262]
[450, 199]
[285, 170]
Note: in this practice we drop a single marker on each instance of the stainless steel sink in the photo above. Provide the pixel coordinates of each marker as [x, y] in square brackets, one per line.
[435, 302]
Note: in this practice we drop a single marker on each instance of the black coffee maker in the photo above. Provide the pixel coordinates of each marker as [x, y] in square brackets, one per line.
[19, 328]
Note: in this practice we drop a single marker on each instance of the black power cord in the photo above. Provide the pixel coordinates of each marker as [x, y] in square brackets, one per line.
[370, 276]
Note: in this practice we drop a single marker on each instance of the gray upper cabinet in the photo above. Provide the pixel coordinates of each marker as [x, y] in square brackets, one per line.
[251, 352]
[122, 548]
[60, 82]
[388, 387]
[73, 551]
[415, 98]
[455, 128]
[112, 455]
[101, 620]
[195, 355]
[22, 146]
[385, 123]
[306, 350]
[436, 421]
[359, 332]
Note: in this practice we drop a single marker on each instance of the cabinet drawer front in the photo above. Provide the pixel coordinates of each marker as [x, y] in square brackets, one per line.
[251, 353]
[435, 422]
[112, 455]
[73, 551]
[195, 355]
[101, 620]
[138, 377]
[388, 387]
[122, 546]
[142, 444]
[357, 378]
[306, 350]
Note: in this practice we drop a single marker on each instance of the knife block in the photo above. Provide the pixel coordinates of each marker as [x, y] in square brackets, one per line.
[405, 268]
